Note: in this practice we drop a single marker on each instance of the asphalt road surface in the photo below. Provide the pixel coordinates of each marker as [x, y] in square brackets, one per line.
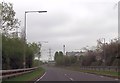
[59, 74]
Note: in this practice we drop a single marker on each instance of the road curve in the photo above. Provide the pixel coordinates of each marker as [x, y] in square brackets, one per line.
[59, 74]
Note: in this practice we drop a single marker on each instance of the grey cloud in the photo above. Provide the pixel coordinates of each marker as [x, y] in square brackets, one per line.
[74, 23]
[48, 20]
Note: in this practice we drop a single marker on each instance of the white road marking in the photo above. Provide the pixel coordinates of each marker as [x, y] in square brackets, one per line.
[40, 78]
[69, 77]
[101, 76]
[116, 79]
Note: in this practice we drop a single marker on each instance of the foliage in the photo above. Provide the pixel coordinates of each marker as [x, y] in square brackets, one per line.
[9, 22]
[59, 58]
[13, 51]
[67, 61]
[104, 54]
[34, 47]
[37, 63]
[110, 53]
[73, 59]
[89, 58]
[55, 57]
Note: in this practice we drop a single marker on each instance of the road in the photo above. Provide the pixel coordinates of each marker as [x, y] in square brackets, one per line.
[59, 74]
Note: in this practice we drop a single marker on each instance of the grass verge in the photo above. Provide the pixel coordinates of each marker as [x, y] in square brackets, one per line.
[32, 76]
[104, 73]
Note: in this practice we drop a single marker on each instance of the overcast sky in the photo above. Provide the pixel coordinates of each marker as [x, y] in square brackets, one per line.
[74, 23]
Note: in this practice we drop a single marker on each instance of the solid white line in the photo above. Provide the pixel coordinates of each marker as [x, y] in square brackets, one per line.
[40, 78]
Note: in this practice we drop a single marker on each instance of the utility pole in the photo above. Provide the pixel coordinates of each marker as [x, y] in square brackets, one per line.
[24, 55]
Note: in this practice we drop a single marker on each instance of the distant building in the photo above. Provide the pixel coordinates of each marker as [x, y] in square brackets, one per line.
[75, 53]
[52, 63]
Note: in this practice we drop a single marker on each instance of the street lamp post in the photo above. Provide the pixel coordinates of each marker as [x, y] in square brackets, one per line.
[25, 19]
[24, 64]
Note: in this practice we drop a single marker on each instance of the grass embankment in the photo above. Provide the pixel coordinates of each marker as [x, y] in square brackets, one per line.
[101, 72]
[32, 76]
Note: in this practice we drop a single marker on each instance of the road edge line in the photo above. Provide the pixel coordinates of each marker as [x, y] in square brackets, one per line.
[40, 77]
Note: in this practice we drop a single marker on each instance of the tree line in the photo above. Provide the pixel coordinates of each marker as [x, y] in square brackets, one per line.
[15, 50]
[104, 54]
[61, 59]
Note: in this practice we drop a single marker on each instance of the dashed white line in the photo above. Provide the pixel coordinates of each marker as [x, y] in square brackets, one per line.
[40, 78]
[101, 76]
[69, 77]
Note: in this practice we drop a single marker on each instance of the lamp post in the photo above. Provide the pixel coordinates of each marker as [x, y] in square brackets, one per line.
[25, 19]
[24, 64]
